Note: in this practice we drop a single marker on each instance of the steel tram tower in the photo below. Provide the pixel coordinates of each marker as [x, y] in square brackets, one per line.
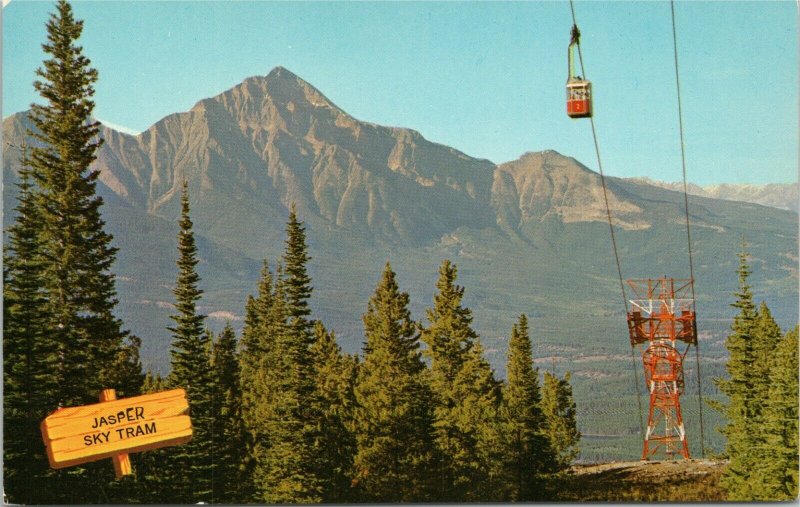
[661, 315]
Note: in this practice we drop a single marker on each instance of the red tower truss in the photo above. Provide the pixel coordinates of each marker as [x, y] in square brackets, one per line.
[662, 314]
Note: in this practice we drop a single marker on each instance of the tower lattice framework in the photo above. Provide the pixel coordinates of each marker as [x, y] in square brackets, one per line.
[661, 315]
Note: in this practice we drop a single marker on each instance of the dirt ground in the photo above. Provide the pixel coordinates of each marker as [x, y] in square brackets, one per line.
[644, 481]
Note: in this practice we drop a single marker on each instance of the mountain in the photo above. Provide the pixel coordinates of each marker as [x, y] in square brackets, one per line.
[274, 140]
[530, 235]
[776, 195]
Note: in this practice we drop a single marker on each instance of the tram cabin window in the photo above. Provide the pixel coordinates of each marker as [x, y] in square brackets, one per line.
[579, 99]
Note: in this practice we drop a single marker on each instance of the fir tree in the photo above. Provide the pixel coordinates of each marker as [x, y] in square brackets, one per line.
[228, 449]
[739, 388]
[766, 335]
[560, 424]
[254, 343]
[29, 356]
[77, 281]
[150, 467]
[527, 451]
[298, 283]
[394, 417]
[63, 259]
[152, 383]
[263, 319]
[780, 470]
[765, 338]
[191, 370]
[335, 375]
[465, 392]
[282, 408]
[480, 413]
[189, 340]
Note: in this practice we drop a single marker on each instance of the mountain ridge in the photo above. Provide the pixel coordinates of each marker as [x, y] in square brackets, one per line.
[529, 236]
[775, 195]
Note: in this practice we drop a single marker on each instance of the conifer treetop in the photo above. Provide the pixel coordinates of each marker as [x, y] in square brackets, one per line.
[296, 281]
[67, 83]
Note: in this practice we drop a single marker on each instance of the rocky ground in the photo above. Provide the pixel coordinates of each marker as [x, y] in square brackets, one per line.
[644, 481]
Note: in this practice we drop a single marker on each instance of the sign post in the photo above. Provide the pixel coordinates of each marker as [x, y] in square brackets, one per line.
[122, 462]
[113, 428]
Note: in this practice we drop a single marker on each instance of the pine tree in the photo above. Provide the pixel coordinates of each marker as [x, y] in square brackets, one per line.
[228, 443]
[29, 356]
[394, 417]
[465, 392]
[765, 338]
[739, 388]
[254, 344]
[152, 383]
[780, 427]
[263, 319]
[335, 375]
[298, 283]
[281, 407]
[293, 419]
[66, 269]
[480, 413]
[153, 475]
[766, 335]
[560, 424]
[77, 281]
[527, 451]
[191, 370]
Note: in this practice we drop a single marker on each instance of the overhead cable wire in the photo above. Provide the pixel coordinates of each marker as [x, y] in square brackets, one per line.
[610, 226]
[688, 227]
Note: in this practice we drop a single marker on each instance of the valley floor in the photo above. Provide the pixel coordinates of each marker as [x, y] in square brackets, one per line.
[644, 481]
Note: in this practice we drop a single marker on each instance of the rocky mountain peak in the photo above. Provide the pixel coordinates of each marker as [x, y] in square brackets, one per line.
[284, 86]
[546, 184]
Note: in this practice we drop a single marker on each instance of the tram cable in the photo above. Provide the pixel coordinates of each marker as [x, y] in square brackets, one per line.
[610, 223]
[688, 228]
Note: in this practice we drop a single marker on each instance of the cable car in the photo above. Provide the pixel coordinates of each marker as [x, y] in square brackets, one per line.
[579, 90]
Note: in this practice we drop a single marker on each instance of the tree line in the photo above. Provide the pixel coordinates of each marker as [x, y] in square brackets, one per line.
[761, 409]
[287, 417]
[279, 414]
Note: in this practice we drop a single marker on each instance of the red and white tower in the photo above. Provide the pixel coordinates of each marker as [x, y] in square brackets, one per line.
[661, 315]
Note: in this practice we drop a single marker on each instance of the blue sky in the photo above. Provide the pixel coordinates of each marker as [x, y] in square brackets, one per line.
[484, 77]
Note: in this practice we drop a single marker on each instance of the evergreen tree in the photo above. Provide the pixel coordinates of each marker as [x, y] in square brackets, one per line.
[394, 416]
[29, 356]
[780, 471]
[335, 378]
[153, 469]
[298, 283]
[560, 424]
[191, 370]
[282, 409]
[465, 392]
[528, 454]
[150, 467]
[153, 383]
[740, 390]
[263, 320]
[228, 443]
[480, 413]
[293, 419]
[77, 282]
[766, 335]
[254, 344]
[59, 279]
[765, 338]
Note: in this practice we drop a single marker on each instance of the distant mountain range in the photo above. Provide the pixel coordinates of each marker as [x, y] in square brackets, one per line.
[528, 236]
[776, 195]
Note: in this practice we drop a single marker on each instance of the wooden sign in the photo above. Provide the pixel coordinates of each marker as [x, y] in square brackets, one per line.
[113, 428]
